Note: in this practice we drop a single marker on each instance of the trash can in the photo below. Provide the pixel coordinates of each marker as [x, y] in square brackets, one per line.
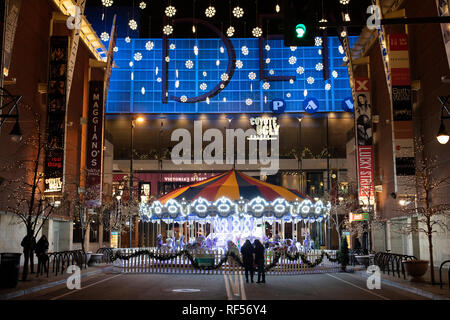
[9, 270]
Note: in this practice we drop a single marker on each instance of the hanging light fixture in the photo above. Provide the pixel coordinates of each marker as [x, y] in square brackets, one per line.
[442, 135]
[16, 133]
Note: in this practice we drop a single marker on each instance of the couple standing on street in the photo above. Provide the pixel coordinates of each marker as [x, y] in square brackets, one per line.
[253, 258]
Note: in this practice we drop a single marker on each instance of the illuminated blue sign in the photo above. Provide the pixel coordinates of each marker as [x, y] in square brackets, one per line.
[278, 106]
[194, 76]
[311, 105]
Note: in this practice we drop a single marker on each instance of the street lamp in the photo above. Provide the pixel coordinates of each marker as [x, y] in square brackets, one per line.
[442, 135]
[8, 105]
[134, 120]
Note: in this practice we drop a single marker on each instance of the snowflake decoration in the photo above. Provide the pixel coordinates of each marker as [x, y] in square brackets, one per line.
[104, 36]
[224, 77]
[238, 12]
[335, 74]
[249, 102]
[127, 40]
[205, 73]
[170, 11]
[257, 32]
[142, 5]
[149, 45]
[116, 49]
[230, 31]
[183, 99]
[300, 70]
[341, 49]
[203, 86]
[318, 41]
[267, 60]
[293, 49]
[319, 66]
[310, 80]
[159, 79]
[168, 30]
[328, 87]
[271, 72]
[252, 76]
[266, 86]
[244, 50]
[132, 24]
[239, 64]
[107, 3]
[210, 12]
[172, 46]
[267, 47]
[288, 95]
[189, 64]
[138, 56]
[167, 59]
[292, 60]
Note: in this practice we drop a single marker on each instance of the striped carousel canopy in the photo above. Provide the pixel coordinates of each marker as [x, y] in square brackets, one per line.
[232, 193]
[233, 185]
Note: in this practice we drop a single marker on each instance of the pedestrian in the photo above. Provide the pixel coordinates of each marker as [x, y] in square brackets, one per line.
[248, 251]
[232, 248]
[259, 261]
[29, 245]
[41, 253]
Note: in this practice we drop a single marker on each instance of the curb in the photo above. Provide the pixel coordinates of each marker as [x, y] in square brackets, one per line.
[20, 293]
[417, 291]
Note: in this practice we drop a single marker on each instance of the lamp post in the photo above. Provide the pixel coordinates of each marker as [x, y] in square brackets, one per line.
[130, 200]
[7, 107]
[442, 135]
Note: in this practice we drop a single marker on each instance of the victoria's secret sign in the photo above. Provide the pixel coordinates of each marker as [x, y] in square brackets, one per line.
[95, 142]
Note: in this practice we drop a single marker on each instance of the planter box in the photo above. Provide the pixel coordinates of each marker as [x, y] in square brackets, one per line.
[416, 269]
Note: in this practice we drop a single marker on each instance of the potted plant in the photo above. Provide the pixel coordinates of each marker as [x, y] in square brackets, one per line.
[416, 269]
[342, 254]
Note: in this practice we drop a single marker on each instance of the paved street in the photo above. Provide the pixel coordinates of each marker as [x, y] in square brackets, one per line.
[113, 286]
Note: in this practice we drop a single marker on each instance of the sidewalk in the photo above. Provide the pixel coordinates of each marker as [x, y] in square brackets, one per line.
[34, 283]
[425, 289]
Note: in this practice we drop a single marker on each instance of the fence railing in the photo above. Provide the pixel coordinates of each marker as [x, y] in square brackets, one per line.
[60, 261]
[106, 254]
[392, 262]
[182, 264]
[440, 274]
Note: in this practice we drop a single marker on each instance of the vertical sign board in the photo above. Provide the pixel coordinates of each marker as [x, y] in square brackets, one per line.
[56, 114]
[443, 7]
[401, 105]
[364, 140]
[94, 144]
[12, 16]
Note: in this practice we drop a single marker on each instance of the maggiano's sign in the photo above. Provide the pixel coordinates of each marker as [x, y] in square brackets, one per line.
[94, 143]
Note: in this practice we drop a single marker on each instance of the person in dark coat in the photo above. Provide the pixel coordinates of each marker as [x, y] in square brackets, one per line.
[41, 253]
[29, 245]
[259, 261]
[247, 257]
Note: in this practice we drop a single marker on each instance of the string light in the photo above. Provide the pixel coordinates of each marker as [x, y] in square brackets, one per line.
[172, 46]
[230, 31]
[183, 99]
[224, 77]
[210, 12]
[132, 24]
[238, 12]
[170, 11]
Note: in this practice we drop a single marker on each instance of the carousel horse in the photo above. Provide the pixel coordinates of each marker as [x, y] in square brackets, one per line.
[179, 244]
[211, 242]
[167, 246]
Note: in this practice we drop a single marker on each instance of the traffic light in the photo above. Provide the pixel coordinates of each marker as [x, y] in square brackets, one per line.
[300, 22]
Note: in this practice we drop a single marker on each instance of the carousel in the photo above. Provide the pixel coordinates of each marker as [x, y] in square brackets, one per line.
[233, 206]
